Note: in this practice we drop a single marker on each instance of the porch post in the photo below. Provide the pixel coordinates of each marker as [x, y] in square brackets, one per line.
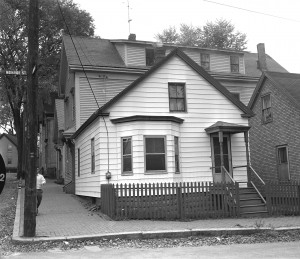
[247, 155]
[221, 154]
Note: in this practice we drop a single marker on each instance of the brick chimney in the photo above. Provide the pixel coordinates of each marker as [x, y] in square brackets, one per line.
[262, 61]
[132, 37]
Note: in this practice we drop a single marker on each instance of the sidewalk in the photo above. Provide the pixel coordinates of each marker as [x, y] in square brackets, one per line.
[62, 216]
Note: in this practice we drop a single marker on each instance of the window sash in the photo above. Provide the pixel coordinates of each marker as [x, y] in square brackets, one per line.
[78, 164]
[93, 155]
[176, 152]
[266, 108]
[234, 64]
[155, 154]
[177, 97]
[126, 154]
[205, 61]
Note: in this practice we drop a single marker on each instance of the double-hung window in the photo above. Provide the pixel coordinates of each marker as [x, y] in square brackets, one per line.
[266, 108]
[177, 100]
[176, 147]
[93, 155]
[155, 153]
[126, 155]
[9, 154]
[205, 61]
[150, 57]
[234, 64]
[78, 162]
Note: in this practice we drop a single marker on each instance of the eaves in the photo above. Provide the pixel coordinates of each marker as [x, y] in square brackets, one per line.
[131, 70]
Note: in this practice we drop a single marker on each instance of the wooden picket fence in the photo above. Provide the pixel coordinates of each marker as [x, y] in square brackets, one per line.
[170, 201]
[283, 198]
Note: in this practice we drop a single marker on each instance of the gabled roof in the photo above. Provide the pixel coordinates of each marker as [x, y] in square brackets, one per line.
[92, 52]
[176, 52]
[287, 83]
[11, 138]
[193, 65]
[251, 65]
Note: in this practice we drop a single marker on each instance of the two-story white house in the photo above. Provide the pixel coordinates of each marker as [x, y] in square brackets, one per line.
[97, 136]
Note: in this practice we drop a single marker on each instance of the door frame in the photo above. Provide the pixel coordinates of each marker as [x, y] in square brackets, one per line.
[288, 161]
[228, 136]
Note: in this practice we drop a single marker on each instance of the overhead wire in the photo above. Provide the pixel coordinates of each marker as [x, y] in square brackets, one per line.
[81, 64]
[252, 11]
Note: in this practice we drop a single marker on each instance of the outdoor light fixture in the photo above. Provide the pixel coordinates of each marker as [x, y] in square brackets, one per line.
[108, 175]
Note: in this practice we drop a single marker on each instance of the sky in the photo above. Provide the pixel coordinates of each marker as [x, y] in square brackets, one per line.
[275, 23]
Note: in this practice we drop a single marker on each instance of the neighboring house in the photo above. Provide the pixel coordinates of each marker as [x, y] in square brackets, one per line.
[96, 70]
[274, 133]
[176, 123]
[47, 153]
[9, 151]
[58, 139]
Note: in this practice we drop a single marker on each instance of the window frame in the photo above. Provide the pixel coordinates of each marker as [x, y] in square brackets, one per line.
[9, 154]
[78, 162]
[177, 98]
[145, 154]
[93, 164]
[149, 62]
[204, 62]
[122, 156]
[176, 154]
[263, 110]
[232, 64]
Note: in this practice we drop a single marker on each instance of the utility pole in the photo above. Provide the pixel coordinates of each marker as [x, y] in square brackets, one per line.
[31, 119]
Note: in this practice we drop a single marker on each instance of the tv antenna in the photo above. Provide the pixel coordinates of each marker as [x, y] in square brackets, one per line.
[129, 19]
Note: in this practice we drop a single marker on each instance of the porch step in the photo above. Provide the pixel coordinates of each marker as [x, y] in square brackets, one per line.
[251, 204]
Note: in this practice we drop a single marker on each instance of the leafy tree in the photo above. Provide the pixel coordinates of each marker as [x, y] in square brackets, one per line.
[13, 51]
[220, 34]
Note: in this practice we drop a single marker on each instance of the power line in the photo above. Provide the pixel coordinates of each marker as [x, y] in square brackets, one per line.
[77, 53]
[106, 128]
[247, 10]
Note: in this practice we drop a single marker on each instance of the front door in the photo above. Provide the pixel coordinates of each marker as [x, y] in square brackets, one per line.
[216, 157]
[283, 163]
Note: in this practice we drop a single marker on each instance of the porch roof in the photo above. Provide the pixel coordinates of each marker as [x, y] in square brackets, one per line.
[221, 126]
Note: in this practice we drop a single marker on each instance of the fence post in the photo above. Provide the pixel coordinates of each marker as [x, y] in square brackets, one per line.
[179, 201]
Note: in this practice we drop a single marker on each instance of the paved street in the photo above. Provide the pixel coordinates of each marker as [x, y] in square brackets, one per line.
[268, 250]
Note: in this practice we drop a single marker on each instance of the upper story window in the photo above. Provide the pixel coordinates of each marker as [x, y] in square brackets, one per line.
[176, 147]
[205, 61]
[177, 98]
[93, 155]
[126, 155]
[266, 108]
[150, 57]
[234, 64]
[155, 154]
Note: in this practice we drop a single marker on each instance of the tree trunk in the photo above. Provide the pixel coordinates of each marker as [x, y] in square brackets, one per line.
[18, 124]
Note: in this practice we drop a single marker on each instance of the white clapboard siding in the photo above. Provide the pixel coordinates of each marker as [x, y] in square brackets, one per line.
[121, 50]
[103, 90]
[194, 54]
[136, 55]
[206, 105]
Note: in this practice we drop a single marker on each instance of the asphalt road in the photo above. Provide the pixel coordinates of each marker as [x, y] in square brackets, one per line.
[262, 250]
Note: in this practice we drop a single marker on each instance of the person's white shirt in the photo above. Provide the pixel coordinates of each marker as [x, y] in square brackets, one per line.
[40, 180]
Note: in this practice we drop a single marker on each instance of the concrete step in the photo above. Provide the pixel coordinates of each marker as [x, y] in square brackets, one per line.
[256, 214]
[251, 201]
[253, 208]
[250, 195]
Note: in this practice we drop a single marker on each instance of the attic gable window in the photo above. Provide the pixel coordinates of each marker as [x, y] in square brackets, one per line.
[205, 61]
[177, 99]
[150, 57]
[234, 64]
[266, 108]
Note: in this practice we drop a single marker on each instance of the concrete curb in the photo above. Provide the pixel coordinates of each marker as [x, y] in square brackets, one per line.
[17, 222]
[156, 234]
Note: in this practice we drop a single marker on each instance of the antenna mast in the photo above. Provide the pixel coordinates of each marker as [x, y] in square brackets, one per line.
[129, 20]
